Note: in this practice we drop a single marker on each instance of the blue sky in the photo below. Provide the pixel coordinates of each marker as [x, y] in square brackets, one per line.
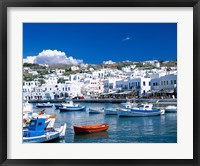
[94, 43]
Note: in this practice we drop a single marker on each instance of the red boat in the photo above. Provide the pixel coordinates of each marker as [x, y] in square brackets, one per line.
[91, 128]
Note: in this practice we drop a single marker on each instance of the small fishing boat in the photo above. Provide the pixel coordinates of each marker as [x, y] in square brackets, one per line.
[91, 128]
[70, 106]
[129, 104]
[171, 109]
[110, 112]
[96, 111]
[142, 110]
[36, 132]
[44, 105]
[50, 119]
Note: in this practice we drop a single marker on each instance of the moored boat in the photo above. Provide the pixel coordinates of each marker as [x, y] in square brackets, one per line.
[171, 109]
[69, 106]
[142, 110]
[49, 119]
[44, 105]
[96, 111]
[91, 128]
[129, 104]
[110, 112]
[36, 132]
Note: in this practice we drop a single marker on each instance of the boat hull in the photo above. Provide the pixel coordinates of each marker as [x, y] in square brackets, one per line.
[42, 138]
[137, 113]
[91, 129]
[63, 109]
[93, 111]
[110, 112]
[48, 136]
[170, 111]
[44, 106]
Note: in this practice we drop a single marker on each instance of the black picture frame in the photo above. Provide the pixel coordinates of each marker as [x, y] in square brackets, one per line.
[4, 4]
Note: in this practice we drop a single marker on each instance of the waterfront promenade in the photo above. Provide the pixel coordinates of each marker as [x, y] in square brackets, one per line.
[160, 101]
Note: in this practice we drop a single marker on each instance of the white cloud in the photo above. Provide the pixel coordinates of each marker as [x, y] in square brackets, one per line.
[126, 38]
[108, 62]
[52, 57]
[29, 59]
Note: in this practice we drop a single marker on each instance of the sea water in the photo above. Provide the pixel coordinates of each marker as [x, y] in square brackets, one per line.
[153, 129]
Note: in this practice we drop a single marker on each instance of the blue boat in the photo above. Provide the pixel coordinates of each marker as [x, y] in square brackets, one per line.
[36, 132]
[69, 106]
[96, 111]
[44, 105]
[141, 110]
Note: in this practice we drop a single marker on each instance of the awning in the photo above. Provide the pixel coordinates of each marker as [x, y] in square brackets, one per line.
[166, 91]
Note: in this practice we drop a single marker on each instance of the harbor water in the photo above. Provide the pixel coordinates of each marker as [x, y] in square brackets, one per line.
[154, 129]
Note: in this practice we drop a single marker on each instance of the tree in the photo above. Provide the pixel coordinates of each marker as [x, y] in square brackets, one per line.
[42, 81]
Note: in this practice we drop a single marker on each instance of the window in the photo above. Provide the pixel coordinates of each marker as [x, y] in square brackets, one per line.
[171, 82]
[143, 83]
[40, 124]
[149, 83]
[174, 81]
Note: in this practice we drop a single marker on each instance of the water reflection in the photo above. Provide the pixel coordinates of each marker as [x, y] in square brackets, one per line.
[90, 136]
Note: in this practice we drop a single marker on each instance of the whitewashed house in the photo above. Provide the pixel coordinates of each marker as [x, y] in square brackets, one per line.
[167, 82]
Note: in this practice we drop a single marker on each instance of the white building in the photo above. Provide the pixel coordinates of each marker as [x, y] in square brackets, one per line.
[93, 87]
[140, 85]
[50, 91]
[74, 68]
[51, 80]
[59, 72]
[167, 82]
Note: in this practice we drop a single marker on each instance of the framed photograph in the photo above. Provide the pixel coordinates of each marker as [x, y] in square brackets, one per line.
[99, 82]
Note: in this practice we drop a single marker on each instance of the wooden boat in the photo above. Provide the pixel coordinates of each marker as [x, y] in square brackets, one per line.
[171, 109]
[91, 128]
[142, 110]
[96, 111]
[69, 106]
[49, 122]
[110, 112]
[128, 104]
[37, 133]
[74, 108]
[44, 105]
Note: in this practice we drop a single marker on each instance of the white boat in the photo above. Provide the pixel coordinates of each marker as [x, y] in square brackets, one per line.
[128, 104]
[171, 109]
[44, 105]
[70, 106]
[110, 112]
[96, 111]
[36, 132]
[27, 108]
[142, 110]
